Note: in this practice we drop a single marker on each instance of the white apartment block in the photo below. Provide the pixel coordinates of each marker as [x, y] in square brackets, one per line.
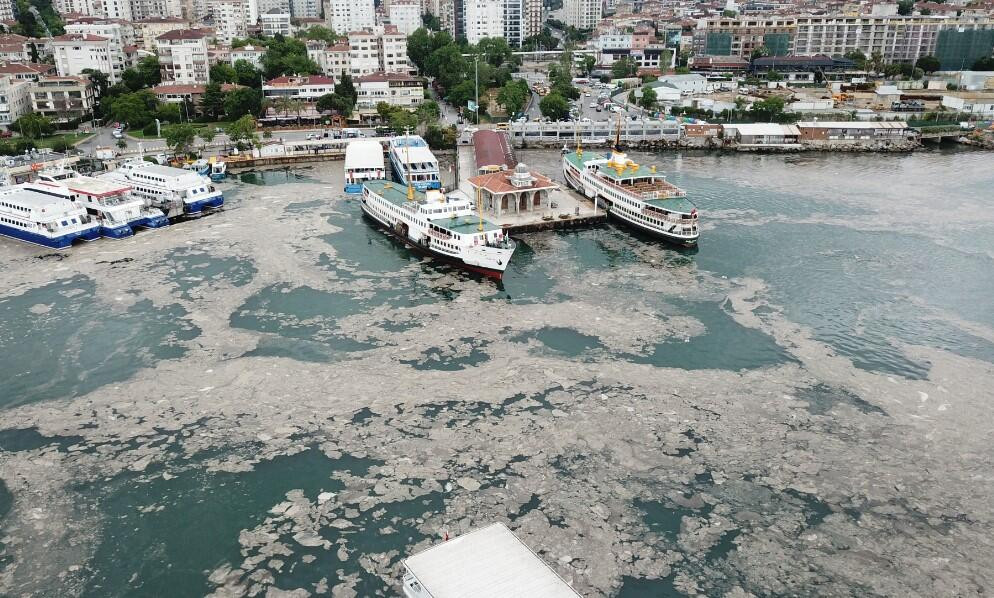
[147, 9]
[230, 19]
[333, 60]
[250, 54]
[183, 56]
[405, 15]
[346, 16]
[531, 20]
[76, 52]
[147, 30]
[268, 5]
[15, 99]
[396, 89]
[308, 88]
[583, 14]
[114, 9]
[119, 36]
[364, 53]
[82, 7]
[514, 14]
[380, 49]
[274, 22]
[484, 18]
[62, 98]
[305, 9]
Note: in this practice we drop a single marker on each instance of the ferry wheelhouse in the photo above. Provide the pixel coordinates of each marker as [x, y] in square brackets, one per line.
[411, 159]
[363, 162]
[445, 227]
[212, 168]
[107, 202]
[635, 194]
[45, 216]
[175, 191]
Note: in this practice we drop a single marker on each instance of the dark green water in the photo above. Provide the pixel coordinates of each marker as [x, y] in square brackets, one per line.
[838, 251]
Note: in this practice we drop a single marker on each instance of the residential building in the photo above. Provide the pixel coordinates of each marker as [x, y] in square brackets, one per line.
[396, 89]
[896, 38]
[268, 5]
[118, 34]
[583, 14]
[276, 22]
[78, 7]
[189, 94]
[484, 18]
[393, 51]
[114, 9]
[76, 52]
[405, 15]
[147, 30]
[25, 71]
[251, 54]
[183, 55]
[218, 54]
[62, 98]
[345, 16]
[513, 22]
[149, 9]
[15, 99]
[378, 49]
[531, 19]
[308, 88]
[333, 60]
[230, 19]
[305, 9]
[742, 36]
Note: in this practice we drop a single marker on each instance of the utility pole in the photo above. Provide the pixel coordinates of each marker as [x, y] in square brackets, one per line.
[477, 78]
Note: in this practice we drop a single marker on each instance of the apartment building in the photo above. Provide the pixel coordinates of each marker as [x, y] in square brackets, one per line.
[396, 89]
[276, 22]
[147, 30]
[345, 16]
[189, 94]
[305, 9]
[75, 52]
[741, 36]
[183, 55]
[268, 5]
[333, 60]
[150, 9]
[119, 36]
[380, 49]
[251, 54]
[583, 14]
[25, 71]
[230, 19]
[897, 38]
[405, 15]
[62, 99]
[114, 9]
[484, 18]
[308, 88]
[531, 19]
[15, 99]
[513, 17]
[78, 7]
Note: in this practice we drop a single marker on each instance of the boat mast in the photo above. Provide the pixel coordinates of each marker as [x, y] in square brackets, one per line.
[407, 164]
[479, 207]
[579, 143]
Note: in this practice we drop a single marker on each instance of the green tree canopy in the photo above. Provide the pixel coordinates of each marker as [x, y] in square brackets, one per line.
[222, 72]
[243, 101]
[648, 99]
[34, 126]
[335, 103]
[623, 68]
[243, 129]
[319, 33]
[287, 56]
[514, 95]
[770, 108]
[428, 112]
[212, 102]
[346, 89]
[554, 107]
[148, 67]
[983, 64]
[494, 50]
[135, 108]
[929, 64]
[180, 137]
[246, 74]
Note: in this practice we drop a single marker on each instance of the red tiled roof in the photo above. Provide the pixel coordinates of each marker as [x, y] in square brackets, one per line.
[493, 148]
[79, 37]
[185, 34]
[343, 47]
[189, 89]
[381, 76]
[15, 68]
[289, 81]
[499, 182]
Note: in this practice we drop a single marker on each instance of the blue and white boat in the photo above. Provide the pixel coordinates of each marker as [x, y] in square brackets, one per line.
[410, 156]
[108, 202]
[212, 168]
[363, 162]
[175, 191]
[45, 216]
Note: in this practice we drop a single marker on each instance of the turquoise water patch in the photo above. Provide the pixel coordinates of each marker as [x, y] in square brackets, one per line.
[526, 280]
[450, 358]
[15, 440]
[640, 587]
[564, 341]
[60, 341]
[272, 177]
[662, 520]
[170, 552]
[191, 269]
[821, 399]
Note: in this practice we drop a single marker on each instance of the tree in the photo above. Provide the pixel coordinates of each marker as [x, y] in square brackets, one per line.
[243, 101]
[876, 62]
[448, 65]
[983, 64]
[428, 112]
[246, 74]
[320, 33]
[461, 94]
[383, 109]
[148, 67]
[121, 143]
[495, 50]
[419, 48]
[513, 96]
[242, 129]
[212, 102]
[180, 137]
[858, 58]
[623, 68]
[904, 7]
[929, 64]
[648, 99]
[589, 62]
[760, 52]
[346, 89]
[554, 107]
[773, 76]
[168, 113]
[770, 108]
[132, 79]
[335, 103]
[222, 73]
[287, 57]
[34, 126]
[134, 108]
[99, 80]
[431, 22]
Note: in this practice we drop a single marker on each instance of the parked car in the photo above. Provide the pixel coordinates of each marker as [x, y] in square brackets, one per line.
[117, 134]
[312, 136]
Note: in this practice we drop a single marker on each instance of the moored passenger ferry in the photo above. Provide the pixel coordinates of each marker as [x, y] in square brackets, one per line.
[363, 162]
[411, 159]
[106, 201]
[175, 191]
[44, 216]
[445, 227]
[635, 194]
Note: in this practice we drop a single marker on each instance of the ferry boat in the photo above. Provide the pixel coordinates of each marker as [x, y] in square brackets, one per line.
[444, 227]
[635, 194]
[411, 159]
[212, 168]
[175, 191]
[108, 202]
[44, 216]
[363, 162]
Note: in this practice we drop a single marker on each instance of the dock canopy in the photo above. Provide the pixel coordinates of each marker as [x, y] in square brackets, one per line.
[487, 563]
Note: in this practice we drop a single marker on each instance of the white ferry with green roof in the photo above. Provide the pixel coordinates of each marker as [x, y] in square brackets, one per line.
[635, 194]
[446, 227]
